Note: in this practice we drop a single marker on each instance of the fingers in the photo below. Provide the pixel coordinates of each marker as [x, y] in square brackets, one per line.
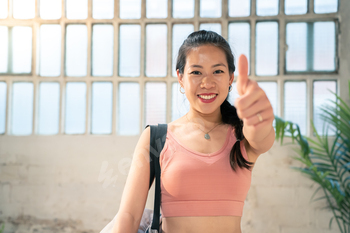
[253, 94]
[253, 99]
[253, 102]
[267, 116]
[242, 80]
[255, 108]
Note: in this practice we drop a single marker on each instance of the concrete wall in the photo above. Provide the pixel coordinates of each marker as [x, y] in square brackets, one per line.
[54, 183]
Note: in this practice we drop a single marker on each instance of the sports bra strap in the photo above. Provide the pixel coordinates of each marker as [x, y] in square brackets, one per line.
[157, 141]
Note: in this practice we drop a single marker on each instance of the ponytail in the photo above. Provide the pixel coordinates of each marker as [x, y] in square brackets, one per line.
[229, 116]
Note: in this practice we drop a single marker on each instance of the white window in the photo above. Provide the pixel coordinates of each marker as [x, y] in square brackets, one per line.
[99, 68]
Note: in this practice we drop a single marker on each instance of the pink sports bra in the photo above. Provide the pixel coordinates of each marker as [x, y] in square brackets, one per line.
[198, 184]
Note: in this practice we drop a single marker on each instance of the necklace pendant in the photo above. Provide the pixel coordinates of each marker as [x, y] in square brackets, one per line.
[206, 136]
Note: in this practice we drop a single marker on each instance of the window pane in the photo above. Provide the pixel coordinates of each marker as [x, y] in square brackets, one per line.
[155, 103]
[129, 117]
[311, 46]
[3, 49]
[270, 89]
[3, 9]
[21, 49]
[156, 50]
[76, 50]
[324, 46]
[101, 108]
[49, 107]
[3, 92]
[50, 50]
[75, 108]
[179, 103]
[76, 9]
[267, 7]
[130, 9]
[22, 108]
[326, 6]
[210, 8]
[267, 48]
[295, 103]
[295, 7]
[239, 39]
[102, 50]
[50, 9]
[129, 50]
[180, 33]
[23, 9]
[156, 8]
[296, 57]
[239, 8]
[183, 8]
[215, 27]
[321, 98]
[103, 9]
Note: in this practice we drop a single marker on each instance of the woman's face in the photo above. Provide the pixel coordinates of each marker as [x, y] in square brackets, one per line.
[206, 72]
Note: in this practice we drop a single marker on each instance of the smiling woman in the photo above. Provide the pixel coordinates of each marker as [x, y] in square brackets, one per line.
[80, 79]
[205, 178]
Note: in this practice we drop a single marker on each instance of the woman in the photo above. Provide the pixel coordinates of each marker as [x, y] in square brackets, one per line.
[207, 156]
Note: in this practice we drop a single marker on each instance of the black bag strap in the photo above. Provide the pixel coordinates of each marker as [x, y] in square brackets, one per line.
[157, 141]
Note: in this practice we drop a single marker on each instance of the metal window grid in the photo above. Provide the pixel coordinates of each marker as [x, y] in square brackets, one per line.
[224, 20]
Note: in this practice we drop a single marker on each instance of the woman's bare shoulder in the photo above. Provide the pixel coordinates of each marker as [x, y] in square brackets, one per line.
[176, 125]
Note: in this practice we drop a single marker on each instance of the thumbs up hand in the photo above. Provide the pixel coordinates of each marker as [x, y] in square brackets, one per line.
[253, 106]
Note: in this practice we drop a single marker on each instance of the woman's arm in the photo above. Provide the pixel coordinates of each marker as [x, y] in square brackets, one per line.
[136, 188]
[257, 144]
[125, 222]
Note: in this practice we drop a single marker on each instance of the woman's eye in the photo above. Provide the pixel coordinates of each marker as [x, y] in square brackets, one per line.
[219, 71]
[195, 72]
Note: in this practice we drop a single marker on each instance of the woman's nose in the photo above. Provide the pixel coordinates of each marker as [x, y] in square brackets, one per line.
[208, 82]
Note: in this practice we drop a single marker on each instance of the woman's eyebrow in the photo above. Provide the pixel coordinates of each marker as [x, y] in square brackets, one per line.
[220, 64]
[199, 66]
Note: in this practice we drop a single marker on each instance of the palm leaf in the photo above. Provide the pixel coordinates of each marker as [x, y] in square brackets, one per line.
[326, 159]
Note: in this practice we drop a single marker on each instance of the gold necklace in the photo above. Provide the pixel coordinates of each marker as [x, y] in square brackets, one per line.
[206, 136]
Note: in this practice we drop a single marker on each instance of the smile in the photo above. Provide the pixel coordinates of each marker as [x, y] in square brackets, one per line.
[207, 98]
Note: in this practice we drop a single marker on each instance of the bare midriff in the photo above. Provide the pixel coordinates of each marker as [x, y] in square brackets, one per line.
[205, 224]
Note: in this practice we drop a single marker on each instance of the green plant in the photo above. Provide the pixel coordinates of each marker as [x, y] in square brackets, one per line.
[326, 158]
[2, 228]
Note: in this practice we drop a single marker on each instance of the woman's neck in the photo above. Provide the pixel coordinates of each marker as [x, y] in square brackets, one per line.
[206, 121]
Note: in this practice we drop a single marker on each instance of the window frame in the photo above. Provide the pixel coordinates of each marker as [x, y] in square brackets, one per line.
[224, 20]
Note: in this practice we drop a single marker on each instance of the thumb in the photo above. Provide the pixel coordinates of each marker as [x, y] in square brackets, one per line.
[242, 79]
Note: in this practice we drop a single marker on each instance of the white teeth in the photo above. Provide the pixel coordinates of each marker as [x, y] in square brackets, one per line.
[207, 97]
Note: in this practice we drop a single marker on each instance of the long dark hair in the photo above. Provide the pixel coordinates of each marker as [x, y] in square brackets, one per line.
[228, 111]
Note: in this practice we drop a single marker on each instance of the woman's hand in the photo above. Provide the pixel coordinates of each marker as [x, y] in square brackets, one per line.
[253, 107]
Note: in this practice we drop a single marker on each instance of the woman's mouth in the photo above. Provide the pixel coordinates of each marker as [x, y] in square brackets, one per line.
[207, 98]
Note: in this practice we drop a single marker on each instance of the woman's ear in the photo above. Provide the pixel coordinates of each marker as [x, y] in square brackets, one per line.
[232, 77]
[179, 76]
